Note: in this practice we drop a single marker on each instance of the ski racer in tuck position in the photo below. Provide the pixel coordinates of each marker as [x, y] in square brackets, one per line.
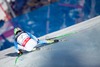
[26, 41]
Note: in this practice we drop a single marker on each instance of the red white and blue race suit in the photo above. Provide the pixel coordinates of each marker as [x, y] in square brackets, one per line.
[26, 41]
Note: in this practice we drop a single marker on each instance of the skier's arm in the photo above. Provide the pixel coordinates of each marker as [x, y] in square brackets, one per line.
[17, 47]
[32, 36]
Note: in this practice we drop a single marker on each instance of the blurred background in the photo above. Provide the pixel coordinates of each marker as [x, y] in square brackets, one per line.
[41, 17]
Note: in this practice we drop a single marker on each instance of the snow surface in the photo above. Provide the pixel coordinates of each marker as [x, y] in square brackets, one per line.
[81, 49]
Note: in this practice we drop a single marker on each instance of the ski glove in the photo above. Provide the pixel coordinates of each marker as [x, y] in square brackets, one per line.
[56, 40]
[20, 52]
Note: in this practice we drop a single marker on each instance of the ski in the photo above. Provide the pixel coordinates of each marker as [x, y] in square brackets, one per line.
[16, 60]
[50, 42]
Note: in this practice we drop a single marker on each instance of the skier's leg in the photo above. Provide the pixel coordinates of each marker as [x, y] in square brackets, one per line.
[42, 42]
[30, 45]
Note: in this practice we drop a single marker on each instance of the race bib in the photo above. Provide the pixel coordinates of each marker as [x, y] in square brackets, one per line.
[22, 37]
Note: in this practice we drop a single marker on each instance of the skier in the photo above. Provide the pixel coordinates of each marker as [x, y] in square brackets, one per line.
[26, 41]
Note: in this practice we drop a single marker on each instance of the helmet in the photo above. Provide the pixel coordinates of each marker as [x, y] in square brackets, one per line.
[16, 30]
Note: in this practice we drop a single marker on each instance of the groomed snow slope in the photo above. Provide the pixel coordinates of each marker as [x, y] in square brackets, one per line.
[81, 49]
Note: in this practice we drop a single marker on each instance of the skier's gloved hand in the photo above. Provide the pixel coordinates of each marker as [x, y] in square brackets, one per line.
[20, 52]
[38, 40]
[56, 40]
